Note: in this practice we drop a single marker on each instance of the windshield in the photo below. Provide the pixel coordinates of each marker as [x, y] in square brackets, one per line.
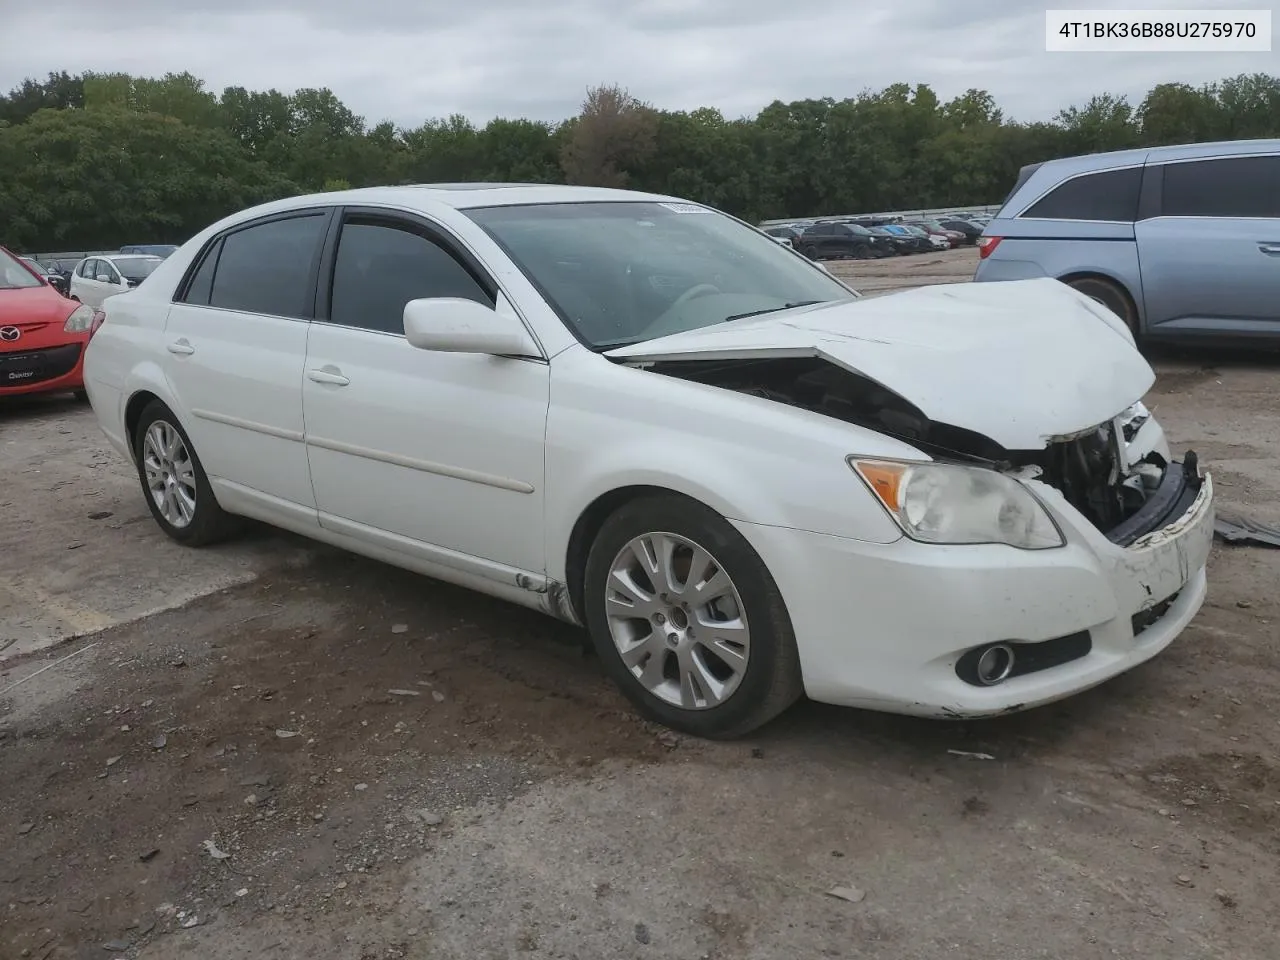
[623, 272]
[14, 275]
[137, 269]
[858, 228]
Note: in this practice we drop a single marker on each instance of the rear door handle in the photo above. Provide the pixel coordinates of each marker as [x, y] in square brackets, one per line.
[182, 348]
[1270, 249]
[328, 375]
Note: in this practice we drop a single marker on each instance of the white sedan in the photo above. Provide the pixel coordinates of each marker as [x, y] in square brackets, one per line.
[96, 278]
[646, 417]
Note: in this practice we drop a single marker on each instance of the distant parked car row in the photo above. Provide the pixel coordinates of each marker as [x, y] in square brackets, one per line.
[862, 238]
[60, 271]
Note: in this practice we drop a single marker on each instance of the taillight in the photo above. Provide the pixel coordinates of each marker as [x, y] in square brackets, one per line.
[987, 246]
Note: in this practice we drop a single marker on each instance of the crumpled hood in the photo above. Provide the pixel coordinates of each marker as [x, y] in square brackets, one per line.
[1020, 362]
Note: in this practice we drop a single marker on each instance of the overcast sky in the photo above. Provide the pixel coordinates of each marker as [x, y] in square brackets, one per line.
[407, 60]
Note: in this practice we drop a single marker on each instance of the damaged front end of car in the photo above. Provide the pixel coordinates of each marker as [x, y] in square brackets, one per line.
[1118, 474]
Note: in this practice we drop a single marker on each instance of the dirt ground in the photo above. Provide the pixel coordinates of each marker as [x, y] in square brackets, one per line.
[272, 749]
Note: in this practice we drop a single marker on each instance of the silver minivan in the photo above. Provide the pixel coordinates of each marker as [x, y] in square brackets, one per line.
[1183, 242]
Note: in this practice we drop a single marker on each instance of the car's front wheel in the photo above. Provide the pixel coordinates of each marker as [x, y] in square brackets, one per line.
[688, 620]
[173, 480]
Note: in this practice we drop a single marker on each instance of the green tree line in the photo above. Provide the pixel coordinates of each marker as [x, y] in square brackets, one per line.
[97, 160]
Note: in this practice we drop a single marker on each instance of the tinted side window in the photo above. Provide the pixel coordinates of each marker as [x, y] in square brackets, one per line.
[1108, 195]
[267, 268]
[1231, 187]
[380, 267]
[86, 269]
[201, 285]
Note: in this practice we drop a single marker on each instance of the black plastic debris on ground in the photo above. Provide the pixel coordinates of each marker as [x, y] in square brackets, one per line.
[1241, 531]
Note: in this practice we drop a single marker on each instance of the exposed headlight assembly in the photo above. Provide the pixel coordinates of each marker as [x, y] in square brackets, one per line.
[956, 504]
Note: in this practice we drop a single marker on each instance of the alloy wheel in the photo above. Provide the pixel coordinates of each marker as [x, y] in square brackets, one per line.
[677, 620]
[170, 473]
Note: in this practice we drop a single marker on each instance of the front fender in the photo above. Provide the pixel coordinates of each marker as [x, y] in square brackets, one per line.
[747, 458]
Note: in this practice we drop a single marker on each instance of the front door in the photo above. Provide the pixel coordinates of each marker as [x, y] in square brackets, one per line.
[435, 454]
[86, 286]
[236, 340]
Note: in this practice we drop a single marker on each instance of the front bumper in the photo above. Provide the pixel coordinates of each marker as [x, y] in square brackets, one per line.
[42, 370]
[882, 626]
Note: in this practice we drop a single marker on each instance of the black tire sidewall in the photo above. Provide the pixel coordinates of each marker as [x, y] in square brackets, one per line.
[772, 639]
[1110, 295]
[209, 521]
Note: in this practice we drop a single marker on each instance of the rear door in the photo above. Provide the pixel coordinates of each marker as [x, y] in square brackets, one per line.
[236, 339]
[1211, 258]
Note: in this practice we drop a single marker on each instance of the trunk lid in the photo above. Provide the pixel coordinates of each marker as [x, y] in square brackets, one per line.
[1021, 362]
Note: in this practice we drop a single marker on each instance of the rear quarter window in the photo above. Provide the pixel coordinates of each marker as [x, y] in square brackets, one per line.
[1107, 195]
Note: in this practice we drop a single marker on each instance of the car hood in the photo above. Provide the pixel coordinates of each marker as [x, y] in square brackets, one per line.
[1022, 362]
[33, 305]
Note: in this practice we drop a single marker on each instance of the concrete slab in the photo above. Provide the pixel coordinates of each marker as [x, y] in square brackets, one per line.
[78, 550]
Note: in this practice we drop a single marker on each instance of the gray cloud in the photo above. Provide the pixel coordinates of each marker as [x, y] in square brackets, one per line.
[408, 61]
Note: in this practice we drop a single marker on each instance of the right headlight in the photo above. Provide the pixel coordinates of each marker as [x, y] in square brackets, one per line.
[956, 504]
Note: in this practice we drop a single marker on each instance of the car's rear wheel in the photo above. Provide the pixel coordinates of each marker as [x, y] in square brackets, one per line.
[687, 619]
[173, 480]
[810, 251]
[1111, 295]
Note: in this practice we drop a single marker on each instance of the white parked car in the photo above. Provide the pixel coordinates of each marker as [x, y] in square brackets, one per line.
[646, 417]
[96, 278]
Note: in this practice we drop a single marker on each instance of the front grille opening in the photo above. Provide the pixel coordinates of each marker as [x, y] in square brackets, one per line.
[1123, 500]
[35, 366]
[1091, 473]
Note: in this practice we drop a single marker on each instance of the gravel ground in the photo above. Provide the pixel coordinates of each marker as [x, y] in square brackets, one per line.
[303, 753]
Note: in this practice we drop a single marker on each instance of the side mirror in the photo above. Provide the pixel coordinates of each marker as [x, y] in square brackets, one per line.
[453, 325]
[102, 278]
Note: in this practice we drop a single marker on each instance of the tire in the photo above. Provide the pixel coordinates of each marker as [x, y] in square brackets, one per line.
[82, 396]
[810, 252]
[752, 694]
[1112, 296]
[203, 521]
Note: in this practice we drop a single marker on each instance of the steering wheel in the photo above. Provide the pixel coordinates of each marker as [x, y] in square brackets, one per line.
[697, 290]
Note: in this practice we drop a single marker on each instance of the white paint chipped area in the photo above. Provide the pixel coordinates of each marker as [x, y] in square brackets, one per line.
[63, 574]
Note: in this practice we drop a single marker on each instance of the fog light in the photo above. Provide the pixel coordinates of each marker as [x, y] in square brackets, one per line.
[995, 664]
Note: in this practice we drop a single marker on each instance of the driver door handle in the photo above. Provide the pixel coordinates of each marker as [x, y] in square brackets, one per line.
[181, 347]
[328, 375]
[1270, 249]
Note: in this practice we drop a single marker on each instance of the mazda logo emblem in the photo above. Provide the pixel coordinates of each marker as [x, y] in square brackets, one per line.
[9, 334]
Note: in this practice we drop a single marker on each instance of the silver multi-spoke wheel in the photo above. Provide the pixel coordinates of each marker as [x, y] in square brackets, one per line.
[677, 620]
[170, 473]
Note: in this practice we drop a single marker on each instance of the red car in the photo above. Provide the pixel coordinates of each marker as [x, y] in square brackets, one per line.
[42, 333]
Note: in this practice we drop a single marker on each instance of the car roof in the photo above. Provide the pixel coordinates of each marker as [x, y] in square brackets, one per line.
[125, 256]
[464, 196]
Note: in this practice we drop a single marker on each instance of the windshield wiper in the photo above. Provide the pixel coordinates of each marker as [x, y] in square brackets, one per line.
[785, 306]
